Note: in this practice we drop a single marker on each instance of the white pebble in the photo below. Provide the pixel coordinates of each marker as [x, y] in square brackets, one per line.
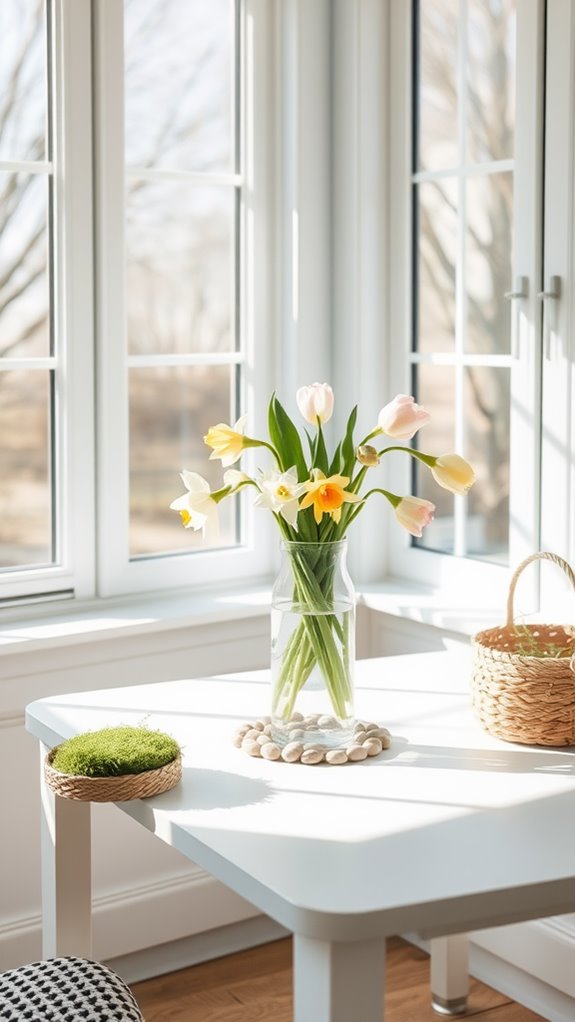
[361, 725]
[385, 741]
[312, 718]
[292, 752]
[373, 746]
[376, 732]
[262, 739]
[356, 753]
[296, 717]
[336, 756]
[252, 733]
[260, 724]
[297, 735]
[312, 756]
[266, 719]
[270, 751]
[268, 729]
[311, 745]
[239, 736]
[359, 737]
[327, 721]
[252, 748]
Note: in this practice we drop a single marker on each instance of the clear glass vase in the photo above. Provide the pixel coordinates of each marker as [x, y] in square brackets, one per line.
[313, 647]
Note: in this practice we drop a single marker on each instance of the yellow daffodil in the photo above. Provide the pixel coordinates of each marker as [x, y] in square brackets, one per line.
[227, 443]
[327, 495]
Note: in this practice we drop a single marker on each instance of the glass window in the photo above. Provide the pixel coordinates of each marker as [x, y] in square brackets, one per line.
[182, 200]
[462, 188]
[28, 350]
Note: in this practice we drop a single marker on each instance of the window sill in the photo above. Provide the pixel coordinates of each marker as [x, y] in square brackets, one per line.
[457, 613]
[460, 613]
[125, 617]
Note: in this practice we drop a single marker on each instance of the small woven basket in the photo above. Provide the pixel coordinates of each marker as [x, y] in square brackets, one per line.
[519, 693]
[123, 788]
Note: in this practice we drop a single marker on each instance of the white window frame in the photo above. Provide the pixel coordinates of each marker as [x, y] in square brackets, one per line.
[558, 390]
[71, 168]
[117, 574]
[92, 434]
[404, 559]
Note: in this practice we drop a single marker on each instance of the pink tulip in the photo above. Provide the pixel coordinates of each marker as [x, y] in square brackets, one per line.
[414, 514]
[315, 402]
[401, 418]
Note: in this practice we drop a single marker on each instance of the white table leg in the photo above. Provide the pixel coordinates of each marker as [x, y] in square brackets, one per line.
[66, 874]
[450, 974]
[340, 982]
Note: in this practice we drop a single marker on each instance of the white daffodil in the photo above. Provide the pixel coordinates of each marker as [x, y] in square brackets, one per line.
[279, 492]
[233, 478]
[198, 510]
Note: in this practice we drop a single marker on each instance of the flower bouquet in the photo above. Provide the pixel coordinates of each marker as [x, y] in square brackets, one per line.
[314, 497]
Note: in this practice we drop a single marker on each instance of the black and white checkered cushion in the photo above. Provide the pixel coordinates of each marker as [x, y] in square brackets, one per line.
[65, 990]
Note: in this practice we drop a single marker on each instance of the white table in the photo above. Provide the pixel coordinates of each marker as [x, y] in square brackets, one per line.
[449, 830]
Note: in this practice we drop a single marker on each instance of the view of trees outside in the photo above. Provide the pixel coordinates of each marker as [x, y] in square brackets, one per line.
[25, 404]
[181, 253]
[181, 260]
[181, 264]
[463, 213]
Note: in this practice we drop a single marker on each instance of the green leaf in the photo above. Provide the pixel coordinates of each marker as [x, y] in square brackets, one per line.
[335, 467]
[320, 452]
[286, 439]
[348, 446]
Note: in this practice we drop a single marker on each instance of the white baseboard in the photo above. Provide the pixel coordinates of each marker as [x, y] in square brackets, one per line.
[527, 990]
[140, 919]
[180, 954]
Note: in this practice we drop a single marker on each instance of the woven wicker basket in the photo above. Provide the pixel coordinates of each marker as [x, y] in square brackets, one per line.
[526, 696]
[112, 789]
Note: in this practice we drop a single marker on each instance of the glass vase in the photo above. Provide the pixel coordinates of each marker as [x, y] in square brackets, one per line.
[313, 647]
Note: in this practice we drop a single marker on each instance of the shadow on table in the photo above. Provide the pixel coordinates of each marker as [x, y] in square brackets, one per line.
[202, 789]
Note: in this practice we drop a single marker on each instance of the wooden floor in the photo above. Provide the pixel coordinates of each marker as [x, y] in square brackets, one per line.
[255, 985]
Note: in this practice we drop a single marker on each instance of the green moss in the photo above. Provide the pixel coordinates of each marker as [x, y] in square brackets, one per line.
[114, 751]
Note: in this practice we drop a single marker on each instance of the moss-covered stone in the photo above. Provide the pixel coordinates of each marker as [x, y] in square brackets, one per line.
[114, 751]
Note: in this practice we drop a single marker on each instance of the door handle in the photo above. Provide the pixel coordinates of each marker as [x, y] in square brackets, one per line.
[553, 289]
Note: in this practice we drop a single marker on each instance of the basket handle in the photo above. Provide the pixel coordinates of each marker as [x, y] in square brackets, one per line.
[542, 555]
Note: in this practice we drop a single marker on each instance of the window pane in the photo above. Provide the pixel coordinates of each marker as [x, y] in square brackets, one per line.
[23, 101]
[25, 471]
[486, 399]
[490, 112]
[437, 253]
[435, 389]
[437, 42]
[24, 288]
[171, 410]
[488, 268]
[179, 59]
[180, 241]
